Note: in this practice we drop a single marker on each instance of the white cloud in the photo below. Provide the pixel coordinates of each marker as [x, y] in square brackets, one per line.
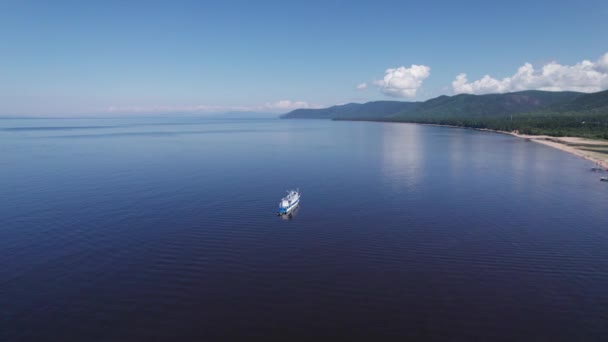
[402, 81]
[169, 108]
[361, 86]
[585, 76]
[278, 106]
[602, 63]
[287, 105]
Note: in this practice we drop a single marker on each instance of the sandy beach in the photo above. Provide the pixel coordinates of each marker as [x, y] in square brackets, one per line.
[590, 149]
[593, 150]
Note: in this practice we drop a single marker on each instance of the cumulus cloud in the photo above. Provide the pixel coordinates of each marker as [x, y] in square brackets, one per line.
[278, 106]
[402, 81]
[361, 86]
[602, 63]
[585, 76]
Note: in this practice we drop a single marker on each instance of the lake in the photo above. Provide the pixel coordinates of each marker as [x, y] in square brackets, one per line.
[166, 229]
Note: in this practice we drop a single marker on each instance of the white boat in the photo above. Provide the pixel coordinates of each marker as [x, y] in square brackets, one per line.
[290, 202]
[604, 179]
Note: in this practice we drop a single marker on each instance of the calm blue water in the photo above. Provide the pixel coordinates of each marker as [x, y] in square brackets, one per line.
[165, 229]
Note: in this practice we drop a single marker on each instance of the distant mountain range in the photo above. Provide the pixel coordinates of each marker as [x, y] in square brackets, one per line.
[530, 112]
[369, 110]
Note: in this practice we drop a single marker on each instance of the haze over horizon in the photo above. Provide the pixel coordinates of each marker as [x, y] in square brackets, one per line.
[114, 58]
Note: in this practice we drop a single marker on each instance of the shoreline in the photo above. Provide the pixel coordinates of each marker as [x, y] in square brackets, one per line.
[560, 143]
[564, 144]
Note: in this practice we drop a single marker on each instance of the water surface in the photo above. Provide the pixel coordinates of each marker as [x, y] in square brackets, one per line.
[165, 229]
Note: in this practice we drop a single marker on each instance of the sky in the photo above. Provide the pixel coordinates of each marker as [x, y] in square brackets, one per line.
[71, 58]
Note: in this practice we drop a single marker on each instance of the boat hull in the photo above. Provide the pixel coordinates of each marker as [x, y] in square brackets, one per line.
[287, 210]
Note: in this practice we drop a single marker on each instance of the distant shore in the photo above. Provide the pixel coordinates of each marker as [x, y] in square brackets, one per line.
[589, 149]
[592, 150]
[585, 148]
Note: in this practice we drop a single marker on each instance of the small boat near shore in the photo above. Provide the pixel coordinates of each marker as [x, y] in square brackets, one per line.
[289, 202]
[604, 179]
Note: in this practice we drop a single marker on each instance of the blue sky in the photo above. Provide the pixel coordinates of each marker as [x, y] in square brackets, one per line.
[86, 57]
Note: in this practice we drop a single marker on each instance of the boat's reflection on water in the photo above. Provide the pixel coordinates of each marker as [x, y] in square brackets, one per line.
[291, 214]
